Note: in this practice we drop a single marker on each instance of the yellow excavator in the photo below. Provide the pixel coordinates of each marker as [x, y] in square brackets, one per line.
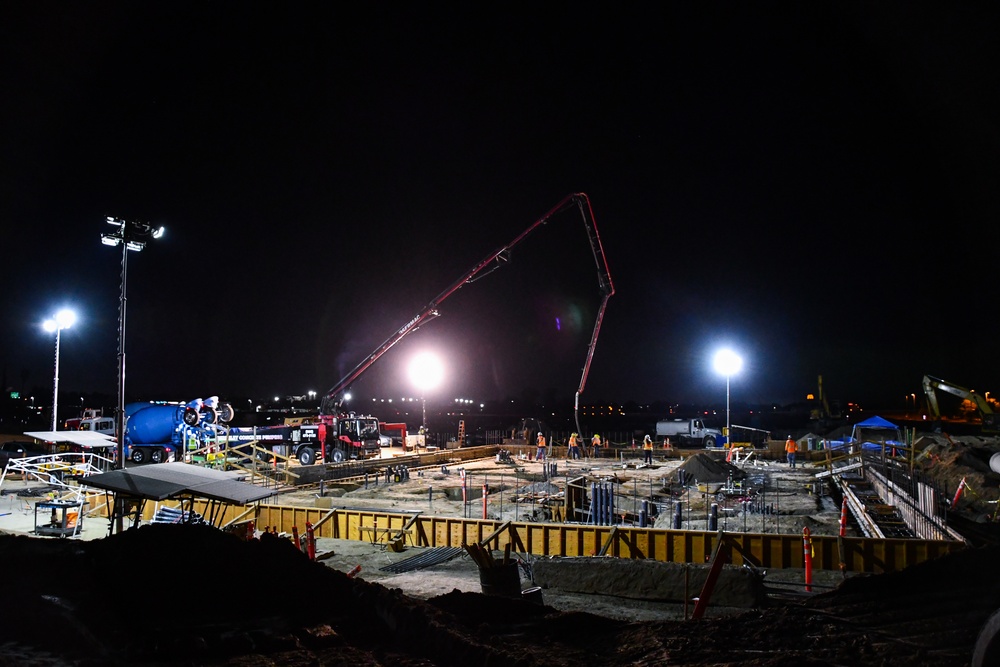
[971, 403]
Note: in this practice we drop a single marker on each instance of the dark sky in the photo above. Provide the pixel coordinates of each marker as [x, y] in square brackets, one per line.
[814, 185]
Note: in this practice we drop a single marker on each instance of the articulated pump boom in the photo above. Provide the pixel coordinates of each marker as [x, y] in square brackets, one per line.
[333, 399]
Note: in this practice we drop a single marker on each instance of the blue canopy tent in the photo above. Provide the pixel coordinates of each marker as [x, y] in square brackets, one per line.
[874, 433]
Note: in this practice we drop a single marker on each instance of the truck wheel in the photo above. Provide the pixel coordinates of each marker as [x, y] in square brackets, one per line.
[337, 456]
[137, 455]
[226, 413]
[210, 415]
[190, 416]
[710, 441]
[307, 456]
[156, 455]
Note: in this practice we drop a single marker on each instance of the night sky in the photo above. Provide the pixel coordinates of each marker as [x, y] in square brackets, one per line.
[812, 184]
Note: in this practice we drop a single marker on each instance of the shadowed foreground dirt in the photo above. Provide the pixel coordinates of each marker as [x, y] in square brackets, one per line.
[192, 595]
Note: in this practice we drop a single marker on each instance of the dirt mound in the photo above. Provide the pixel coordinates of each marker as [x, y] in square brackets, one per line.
[702, 468]
[170, 594]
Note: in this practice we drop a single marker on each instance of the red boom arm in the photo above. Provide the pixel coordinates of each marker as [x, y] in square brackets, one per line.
[332, 399]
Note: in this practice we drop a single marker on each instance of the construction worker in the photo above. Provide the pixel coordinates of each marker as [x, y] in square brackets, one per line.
[790, 448]
[596, 442]
[647, 449]
[540, 452]
[573, 451]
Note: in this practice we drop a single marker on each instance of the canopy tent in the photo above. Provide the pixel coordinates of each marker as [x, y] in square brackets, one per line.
[161, 481]
[875, 422]
[876, 432]
[85, 439]
[174, 481]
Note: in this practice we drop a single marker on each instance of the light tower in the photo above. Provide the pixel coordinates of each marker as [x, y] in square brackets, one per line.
[727, 363]
[64, 319]
[130, 235]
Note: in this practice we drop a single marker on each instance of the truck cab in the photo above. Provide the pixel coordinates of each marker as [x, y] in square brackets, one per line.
[104, 425]
[358, 437]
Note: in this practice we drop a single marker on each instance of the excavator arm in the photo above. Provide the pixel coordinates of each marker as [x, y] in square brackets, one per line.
[932, 385]
[333, 399]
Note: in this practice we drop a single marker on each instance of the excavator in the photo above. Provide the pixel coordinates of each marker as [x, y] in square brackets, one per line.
[820, 412]
[971, 402]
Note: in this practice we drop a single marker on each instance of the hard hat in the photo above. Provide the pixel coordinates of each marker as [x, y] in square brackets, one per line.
[574, 435]
[648, 438]
[789, 436]
[597, 435]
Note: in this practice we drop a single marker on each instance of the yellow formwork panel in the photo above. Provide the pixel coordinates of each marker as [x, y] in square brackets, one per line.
[572, 541]
[575, 540]
[451, 531]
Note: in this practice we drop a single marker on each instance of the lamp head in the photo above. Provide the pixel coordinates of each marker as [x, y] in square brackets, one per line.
[64, 319]
[727, 362]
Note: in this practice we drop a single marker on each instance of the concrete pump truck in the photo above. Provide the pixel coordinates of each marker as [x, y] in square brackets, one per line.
[335, 435]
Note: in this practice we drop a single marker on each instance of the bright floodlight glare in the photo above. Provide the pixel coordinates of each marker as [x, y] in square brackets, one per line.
[159, 233]
[65, 318]
[727, 362]
[426, 371]
[110, 240]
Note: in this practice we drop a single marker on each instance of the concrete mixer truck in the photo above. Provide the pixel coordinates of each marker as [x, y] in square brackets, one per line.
[158, 431]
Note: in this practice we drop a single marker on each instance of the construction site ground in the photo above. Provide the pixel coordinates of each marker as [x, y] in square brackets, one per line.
[182, 595]
[520, 490]
[785, 499]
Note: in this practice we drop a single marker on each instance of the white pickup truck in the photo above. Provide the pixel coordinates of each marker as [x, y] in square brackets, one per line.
[688, 432]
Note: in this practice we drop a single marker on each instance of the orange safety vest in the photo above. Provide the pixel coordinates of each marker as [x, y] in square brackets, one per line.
[596, 441]
[647, 444]
[572, 441]
[790, 446]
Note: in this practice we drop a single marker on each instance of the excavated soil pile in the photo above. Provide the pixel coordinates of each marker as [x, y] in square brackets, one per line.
[702, 468]
[193, 595]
